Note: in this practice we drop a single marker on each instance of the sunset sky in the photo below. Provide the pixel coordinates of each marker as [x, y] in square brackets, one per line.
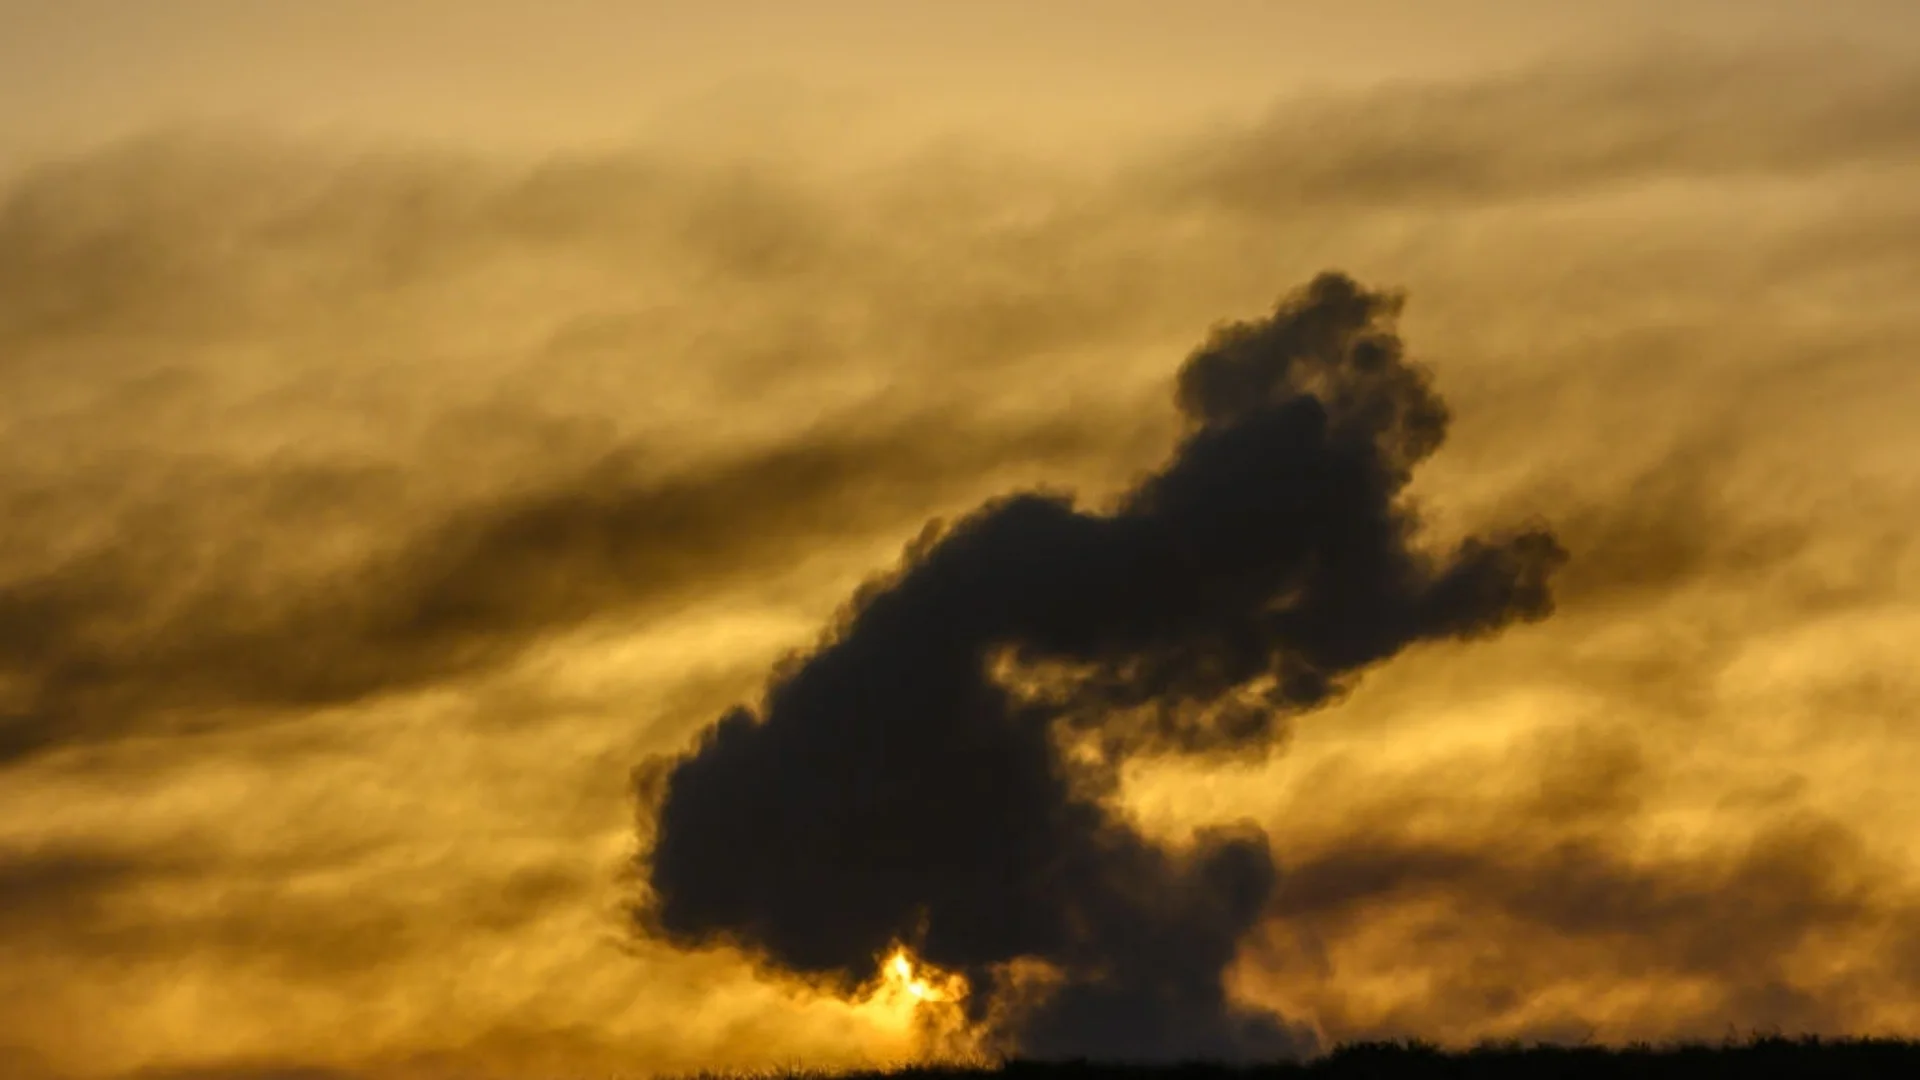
[420, 422]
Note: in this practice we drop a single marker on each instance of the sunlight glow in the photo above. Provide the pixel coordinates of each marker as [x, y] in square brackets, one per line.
[905, 976]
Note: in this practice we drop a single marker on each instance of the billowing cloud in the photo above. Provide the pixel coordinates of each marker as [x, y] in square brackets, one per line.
[890, 788]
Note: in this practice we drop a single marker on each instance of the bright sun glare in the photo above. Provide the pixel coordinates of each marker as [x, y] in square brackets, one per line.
[920, 981]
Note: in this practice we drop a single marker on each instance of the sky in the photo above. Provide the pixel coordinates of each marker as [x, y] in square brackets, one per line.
[553, 538]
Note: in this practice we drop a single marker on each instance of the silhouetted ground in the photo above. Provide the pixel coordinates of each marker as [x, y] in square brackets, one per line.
[1763, 1057]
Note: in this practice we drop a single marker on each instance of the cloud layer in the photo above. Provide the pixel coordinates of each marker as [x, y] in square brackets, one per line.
[370, 514]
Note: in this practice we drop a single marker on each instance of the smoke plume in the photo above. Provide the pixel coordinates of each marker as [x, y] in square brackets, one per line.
[940, 769]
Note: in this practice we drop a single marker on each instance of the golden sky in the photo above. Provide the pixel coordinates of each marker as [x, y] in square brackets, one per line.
[415, 419]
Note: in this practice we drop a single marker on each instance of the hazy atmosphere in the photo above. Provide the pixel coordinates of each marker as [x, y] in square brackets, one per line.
[607, 537]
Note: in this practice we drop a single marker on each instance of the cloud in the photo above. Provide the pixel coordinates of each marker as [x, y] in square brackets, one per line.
[181, 899]
[1534, 932]
[52, 890]
[889, 782]
[250, 1072]
[295, 435]
[272, 457]
[140, 635]
[1566, 129]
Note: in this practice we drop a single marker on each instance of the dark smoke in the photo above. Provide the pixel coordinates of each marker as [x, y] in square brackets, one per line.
[937, 770]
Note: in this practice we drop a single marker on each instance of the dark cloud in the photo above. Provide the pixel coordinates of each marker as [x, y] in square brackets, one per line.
[1667, 529]
[1746, 933]
[891, 787]
[1680, 568]
[164, 573]
[148, 631]
[171, 901]
[51, 889]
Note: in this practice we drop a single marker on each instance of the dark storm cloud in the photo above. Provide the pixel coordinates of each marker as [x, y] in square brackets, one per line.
[890, 786]
[148, 632]
[1566, 128]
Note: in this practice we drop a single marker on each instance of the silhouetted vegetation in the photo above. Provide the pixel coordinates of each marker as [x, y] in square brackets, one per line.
[1765, 1057]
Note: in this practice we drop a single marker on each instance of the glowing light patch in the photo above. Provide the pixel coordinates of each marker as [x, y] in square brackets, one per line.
[904, 975]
